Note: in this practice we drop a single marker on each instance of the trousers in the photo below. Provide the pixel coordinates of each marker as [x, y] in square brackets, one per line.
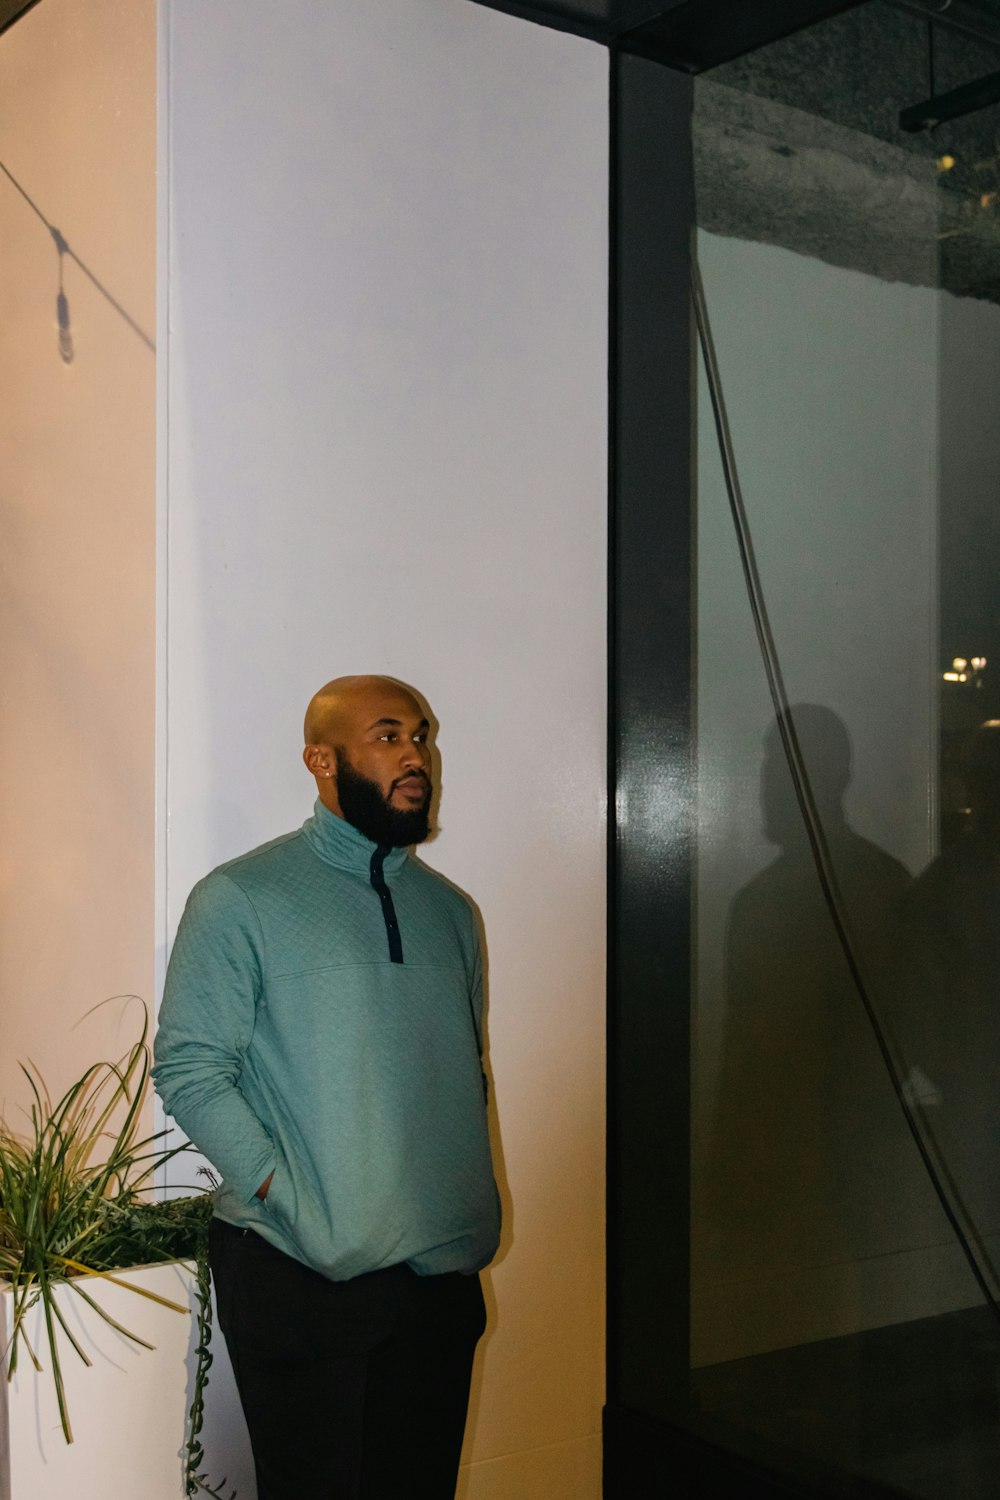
[352, 1390]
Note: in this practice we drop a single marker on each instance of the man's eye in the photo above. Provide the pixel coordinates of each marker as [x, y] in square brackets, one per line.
[388, 736]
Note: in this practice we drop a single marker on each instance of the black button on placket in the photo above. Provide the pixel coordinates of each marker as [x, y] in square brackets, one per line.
[388, 910]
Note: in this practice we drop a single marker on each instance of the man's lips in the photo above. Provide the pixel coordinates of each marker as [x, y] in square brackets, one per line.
[412, 786]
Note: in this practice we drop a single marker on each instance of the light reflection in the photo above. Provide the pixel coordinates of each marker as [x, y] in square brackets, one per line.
[965, 669]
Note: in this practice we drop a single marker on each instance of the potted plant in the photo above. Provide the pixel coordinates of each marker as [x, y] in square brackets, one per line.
[74, 1216]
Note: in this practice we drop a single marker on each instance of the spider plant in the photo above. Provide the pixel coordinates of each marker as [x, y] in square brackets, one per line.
[72, 1206]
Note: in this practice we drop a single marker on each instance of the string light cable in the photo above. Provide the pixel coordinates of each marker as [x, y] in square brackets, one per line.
[64, 248]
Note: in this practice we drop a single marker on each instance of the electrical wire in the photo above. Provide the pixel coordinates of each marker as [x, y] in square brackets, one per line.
[65, 248]
[800, 776]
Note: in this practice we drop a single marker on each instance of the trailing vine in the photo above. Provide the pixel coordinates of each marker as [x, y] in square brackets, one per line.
[196, 1482]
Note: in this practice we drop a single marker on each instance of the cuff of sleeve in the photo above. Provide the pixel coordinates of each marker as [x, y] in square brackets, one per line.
[251, 1196]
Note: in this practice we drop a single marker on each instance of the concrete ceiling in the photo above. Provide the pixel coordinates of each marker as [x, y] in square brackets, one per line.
[799, 144]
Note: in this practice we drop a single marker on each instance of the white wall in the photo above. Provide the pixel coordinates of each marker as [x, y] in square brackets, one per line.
[383, 248]
[77, 534]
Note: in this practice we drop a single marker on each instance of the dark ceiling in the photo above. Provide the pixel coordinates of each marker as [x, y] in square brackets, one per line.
[690, 35]
[696, 35]
[598, 18]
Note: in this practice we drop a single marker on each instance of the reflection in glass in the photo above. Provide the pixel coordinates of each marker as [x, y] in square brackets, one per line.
[852, 274]
[802, 1102]
[946, 1017]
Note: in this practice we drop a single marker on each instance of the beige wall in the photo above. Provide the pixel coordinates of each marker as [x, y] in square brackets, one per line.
[77, 130]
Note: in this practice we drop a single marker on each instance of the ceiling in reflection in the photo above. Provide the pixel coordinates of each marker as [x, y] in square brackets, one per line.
[799, 144]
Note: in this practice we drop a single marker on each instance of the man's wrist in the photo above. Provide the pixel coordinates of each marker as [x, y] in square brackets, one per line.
[261, 1192]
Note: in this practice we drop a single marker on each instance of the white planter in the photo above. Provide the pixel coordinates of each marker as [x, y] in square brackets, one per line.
[128, 1409]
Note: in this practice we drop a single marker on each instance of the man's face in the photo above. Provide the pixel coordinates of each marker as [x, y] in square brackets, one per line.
[383, 770]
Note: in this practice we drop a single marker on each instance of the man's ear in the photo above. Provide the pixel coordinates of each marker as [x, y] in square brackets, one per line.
[318, 761]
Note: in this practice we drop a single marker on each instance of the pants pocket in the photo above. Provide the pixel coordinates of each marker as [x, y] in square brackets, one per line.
[280, 1313]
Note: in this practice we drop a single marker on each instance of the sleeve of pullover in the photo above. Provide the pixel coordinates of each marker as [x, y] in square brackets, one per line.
[206, 1022]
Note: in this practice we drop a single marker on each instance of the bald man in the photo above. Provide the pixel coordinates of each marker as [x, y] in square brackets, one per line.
[320, 1041]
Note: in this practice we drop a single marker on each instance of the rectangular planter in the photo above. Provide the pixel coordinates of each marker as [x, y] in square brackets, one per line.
[128, 1410]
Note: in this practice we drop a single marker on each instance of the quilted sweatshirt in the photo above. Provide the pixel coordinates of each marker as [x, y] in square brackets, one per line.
[321, 1020]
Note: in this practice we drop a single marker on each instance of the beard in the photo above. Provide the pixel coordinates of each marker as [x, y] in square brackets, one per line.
[366, 807]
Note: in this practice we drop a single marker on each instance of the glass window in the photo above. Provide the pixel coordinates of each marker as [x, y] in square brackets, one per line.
[842, 1276]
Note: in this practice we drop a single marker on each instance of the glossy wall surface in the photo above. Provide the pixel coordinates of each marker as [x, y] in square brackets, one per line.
[844, 1227]
[830, 380]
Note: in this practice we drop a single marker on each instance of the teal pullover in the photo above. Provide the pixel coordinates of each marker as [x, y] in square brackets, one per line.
[317, 1029]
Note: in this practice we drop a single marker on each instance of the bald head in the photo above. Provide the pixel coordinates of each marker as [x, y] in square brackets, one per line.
[366, 745]
[333, 709]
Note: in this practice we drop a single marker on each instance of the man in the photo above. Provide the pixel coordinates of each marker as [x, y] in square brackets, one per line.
[320, 1042]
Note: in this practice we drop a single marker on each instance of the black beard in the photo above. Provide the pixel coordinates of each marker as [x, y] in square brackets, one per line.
[365, 806]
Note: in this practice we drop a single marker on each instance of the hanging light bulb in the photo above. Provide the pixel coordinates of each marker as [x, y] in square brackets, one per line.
[62, 304]
[65, 331]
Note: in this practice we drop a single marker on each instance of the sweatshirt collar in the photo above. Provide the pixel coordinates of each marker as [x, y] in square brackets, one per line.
[339, 843]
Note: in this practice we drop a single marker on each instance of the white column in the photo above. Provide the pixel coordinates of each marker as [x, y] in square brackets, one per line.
[384, 239]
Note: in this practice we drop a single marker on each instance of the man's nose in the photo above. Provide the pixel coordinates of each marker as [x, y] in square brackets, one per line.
[415, 755]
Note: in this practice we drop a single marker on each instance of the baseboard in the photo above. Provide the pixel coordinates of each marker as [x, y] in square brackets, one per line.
[559, 1471]
[784, 1307]
[648, 1459]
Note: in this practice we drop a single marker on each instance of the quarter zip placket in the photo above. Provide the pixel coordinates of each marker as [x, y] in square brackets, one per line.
[377, 875]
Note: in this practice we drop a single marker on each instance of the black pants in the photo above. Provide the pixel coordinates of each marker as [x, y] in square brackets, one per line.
[352, 1390]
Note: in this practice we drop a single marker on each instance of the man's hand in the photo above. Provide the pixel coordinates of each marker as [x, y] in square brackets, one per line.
[262, 1190]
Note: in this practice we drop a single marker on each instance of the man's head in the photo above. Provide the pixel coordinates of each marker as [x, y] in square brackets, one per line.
[366, 745]
[825, 746]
